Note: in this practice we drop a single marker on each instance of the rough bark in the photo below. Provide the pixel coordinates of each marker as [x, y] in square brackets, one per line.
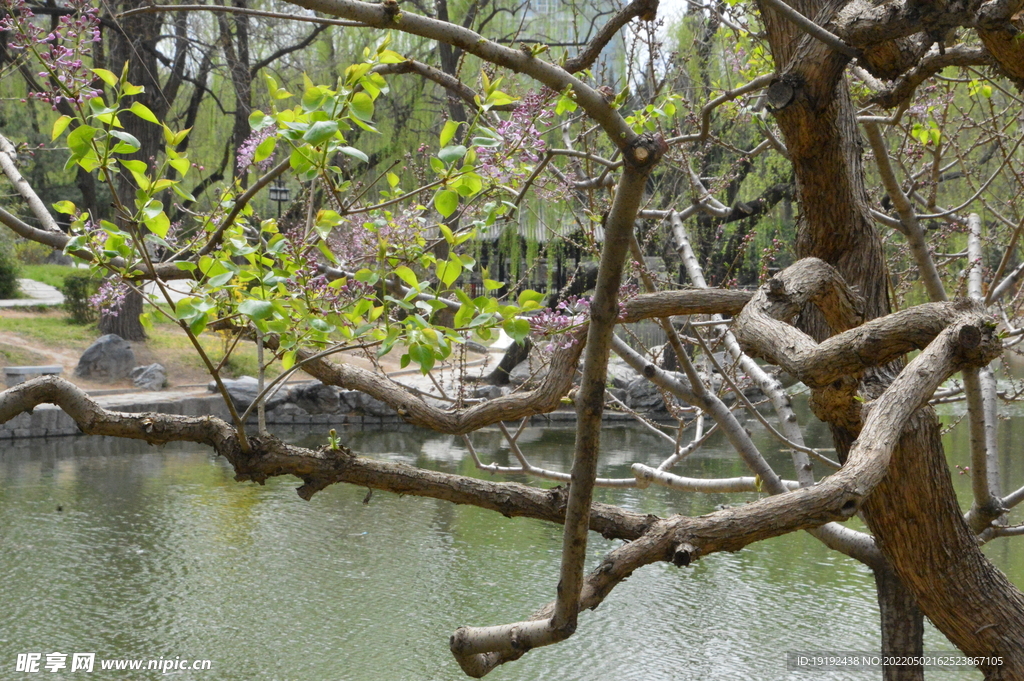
[913, 513]
[124, 319]
[902, 624]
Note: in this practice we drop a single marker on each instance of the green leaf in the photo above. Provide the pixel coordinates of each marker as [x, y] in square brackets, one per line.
[321, 131]
[301, 160]
[259, 120]
[181, 165]
[390, 57]
[517, 329]
[198, 323]
[565, 103]
[362, 106]
[354, 153]
[367, 276]
[106, 76]
[143, 112]
[59, 126]
[452, 154]
[489, 142]
[320, 325]
[530, 296]
[407, 275]
[134, 166]
[322, 245]
[288, 360]
[220, 279]
[65, 207]
[265, 149]
[80, 138]
[448, 271]
[159, 224]
[130, 141]
[257, 309]
[448, 132]
[446, 201]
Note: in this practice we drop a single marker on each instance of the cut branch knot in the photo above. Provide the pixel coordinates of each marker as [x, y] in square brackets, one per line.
[684, 554]
[645, 152]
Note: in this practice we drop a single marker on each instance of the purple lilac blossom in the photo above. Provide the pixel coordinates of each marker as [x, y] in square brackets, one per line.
[61, 51]
[247, 151]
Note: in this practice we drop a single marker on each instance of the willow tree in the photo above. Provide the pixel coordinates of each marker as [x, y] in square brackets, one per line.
[364, 272]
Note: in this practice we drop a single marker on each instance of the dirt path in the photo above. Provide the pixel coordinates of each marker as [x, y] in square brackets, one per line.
[64, 356]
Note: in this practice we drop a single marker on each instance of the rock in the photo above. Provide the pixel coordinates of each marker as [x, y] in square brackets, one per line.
[642, 395]
[316, 398]
[109, 359]
[360, 401]
[478, 348]
[244, 390]
[620, 374]
[58, 258]
[529, 372]
[620, 394]
[151, 377]
[241, 390]
[489, 392]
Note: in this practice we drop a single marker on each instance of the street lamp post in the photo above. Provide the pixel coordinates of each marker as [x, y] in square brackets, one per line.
[279, 193]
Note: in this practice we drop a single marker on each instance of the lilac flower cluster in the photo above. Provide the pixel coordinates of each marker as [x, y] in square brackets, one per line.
[570, 314]
[358, 243]
[554, 324]
[110, 296]
[932, 100]
[523, 142]
[313, 287]
[247, 151]
[61, 51]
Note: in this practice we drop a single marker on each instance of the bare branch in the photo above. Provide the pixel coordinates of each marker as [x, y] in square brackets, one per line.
[645, 9]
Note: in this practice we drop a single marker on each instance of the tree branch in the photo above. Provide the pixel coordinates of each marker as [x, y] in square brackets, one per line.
[645, 9]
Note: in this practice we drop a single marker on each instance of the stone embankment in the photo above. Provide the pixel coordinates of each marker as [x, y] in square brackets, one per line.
[47, 420]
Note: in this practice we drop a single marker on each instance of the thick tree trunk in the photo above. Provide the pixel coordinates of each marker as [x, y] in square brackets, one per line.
[124, 321]
[902, 626]
[516, 353]
[914, 512]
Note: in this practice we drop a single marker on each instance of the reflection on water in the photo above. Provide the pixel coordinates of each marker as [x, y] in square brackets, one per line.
[158, 553]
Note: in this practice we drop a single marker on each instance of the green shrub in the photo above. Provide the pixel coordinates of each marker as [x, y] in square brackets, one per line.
[77, 289]
[32, 253]
[8, 275]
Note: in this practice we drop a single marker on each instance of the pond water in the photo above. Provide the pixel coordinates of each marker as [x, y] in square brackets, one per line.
[156, 553]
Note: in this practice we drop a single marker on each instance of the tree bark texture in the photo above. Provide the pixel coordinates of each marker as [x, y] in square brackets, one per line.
[913, 512]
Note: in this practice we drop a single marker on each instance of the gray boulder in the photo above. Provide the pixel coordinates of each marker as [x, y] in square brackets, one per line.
[109, 359]
[361, 402]
[316, 398]
[643, 396]
[529, 372]
[620, 374]
[490, 392]
[243, 392]
[151, 377]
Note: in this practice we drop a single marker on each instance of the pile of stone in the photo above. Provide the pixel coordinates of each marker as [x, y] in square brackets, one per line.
[111, 359]
[309, 398]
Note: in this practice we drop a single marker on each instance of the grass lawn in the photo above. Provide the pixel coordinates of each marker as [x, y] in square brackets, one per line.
[49, 328]
[50, 274]
[166, 344]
